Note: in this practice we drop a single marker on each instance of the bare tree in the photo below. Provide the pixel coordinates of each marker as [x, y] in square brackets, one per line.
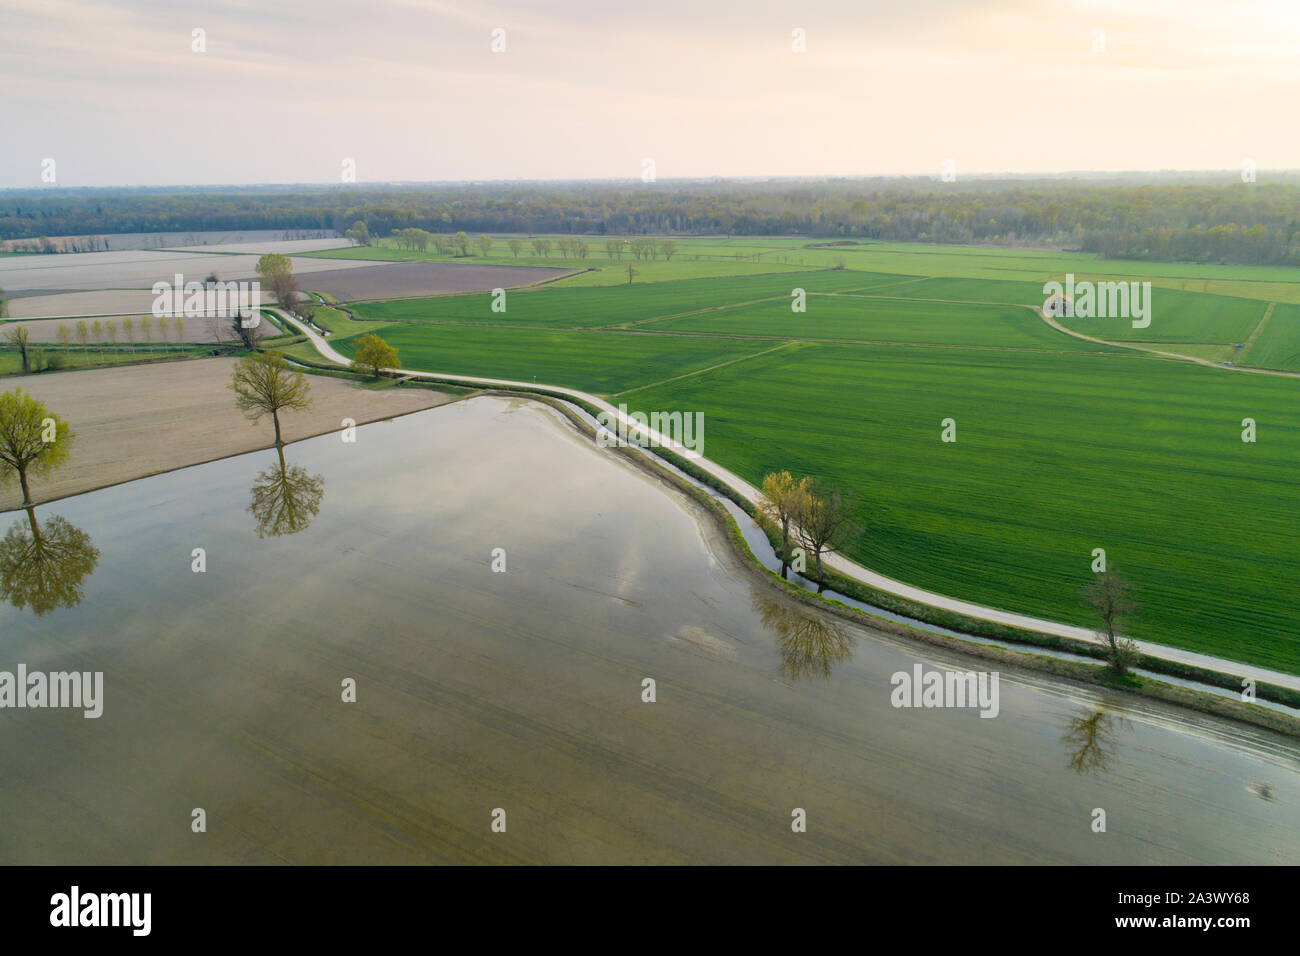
[250, 328]
[822, 520]
[1112, 596]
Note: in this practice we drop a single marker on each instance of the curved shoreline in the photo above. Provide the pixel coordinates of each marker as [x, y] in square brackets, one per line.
[836, 562]
[1091, 675]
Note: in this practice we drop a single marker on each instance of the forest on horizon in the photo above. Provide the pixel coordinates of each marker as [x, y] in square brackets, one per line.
[1196, 220]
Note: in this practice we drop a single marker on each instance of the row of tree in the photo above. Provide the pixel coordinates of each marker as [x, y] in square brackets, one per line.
[642, 247]
[1198, 220]
[100, 333]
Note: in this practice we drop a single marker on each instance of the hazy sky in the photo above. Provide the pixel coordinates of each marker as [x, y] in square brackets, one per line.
[411, 90]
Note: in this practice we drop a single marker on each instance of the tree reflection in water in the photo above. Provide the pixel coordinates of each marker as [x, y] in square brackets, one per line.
[810, 645]
[285, 499]
[1091, 739]
[43, 567]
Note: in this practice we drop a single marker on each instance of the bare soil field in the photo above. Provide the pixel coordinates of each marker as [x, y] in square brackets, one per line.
[137, 269]
[100, 302]
[140, 420]
[286, 247]
[402, 280]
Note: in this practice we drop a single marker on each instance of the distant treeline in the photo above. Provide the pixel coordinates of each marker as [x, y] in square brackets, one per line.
[1196, 221]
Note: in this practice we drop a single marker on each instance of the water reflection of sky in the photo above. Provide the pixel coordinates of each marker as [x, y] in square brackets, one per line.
[523, 689]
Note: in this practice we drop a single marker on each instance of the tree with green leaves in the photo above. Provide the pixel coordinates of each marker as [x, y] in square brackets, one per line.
[33, 440]
[462, 243]
[485, 244]
[285, 499]
[373, 355]
[43, 567]
[783, 499]
[265, 385]
[275, 272]
[359, 233]
[515, 244]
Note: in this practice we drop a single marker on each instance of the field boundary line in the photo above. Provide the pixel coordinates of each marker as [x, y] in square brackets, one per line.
[913, 298]
[678, 378]
[1161, 353]
[682, 315]
[876, 288]
[1256, 332]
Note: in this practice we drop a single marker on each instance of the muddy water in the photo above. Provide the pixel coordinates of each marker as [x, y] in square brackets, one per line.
[522, 691]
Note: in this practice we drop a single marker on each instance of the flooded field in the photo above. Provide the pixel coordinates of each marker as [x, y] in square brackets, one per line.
[519, 695]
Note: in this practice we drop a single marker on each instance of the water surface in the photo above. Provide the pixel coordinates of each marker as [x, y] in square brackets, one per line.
[522, 690]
